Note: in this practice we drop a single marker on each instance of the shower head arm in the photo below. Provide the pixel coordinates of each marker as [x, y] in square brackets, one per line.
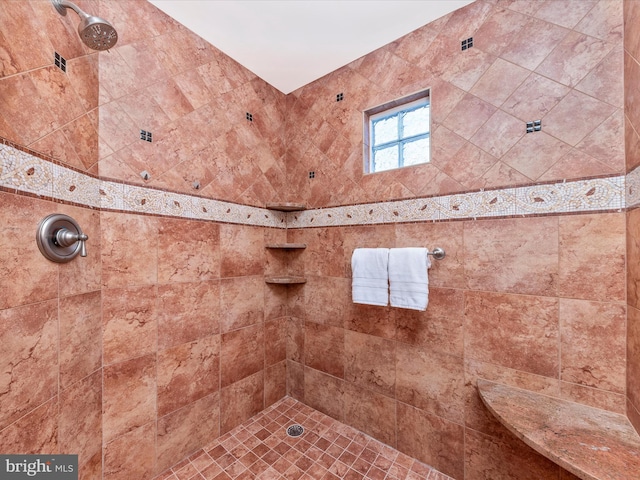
[62, 5]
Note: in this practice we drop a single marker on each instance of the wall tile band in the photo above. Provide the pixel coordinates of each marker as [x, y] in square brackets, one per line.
[30, 174]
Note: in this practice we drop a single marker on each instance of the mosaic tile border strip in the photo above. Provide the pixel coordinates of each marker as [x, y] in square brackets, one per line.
[27, 173]
[567, 197]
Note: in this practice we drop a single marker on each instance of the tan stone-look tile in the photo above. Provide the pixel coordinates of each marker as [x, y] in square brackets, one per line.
[594, 397]
[241, 302]
[633, 415]
[369, 362]
[564, 13]
[477, 416]
[515, 331]
[535, 154]
[522, 52]
[631, 39]
[468, 116]
[129, 397]
[132, 454]
[369, 319]
[80, 429]
[431, 439]
[499, 30]
[275, 340]
[275, 383]
[439, 328]
[324, 348]
[295, 380]
[295, 339]
[365, 236]
[574, 58]
[535, 98]
[324, 392]
[505, 458]
[563, 123]
[188, 251]
[326, 298]
[604, 143]
[582, 271]
[606, 80]
[124, 261]
[447, 235]
[187, 372]
[129, 323]
[633, 254]
[242, 353]
[19, 96]
[36, 433]
[241, 400]
[80, 337]
[187, 312]
[575, 164]
[29, 335]
[242, 250]
[277, 303]
[633, 359]
[632, 89]
[186, 430]
[27, 276]
[84, 273]
[499, 81]
[592, 344]
[498, 134]
[631, 146]
[506, 255]
[325, 254]
[371, 413]
[430, 381]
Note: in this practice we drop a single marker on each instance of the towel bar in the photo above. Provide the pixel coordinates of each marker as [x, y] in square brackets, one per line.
[438, 253]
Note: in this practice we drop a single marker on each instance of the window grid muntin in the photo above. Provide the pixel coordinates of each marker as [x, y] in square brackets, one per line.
[399, 113]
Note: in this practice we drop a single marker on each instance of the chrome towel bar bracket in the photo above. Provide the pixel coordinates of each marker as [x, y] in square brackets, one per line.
[438, 253]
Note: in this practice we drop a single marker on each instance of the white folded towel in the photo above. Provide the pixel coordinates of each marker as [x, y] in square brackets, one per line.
[370, 276]
[408, 279]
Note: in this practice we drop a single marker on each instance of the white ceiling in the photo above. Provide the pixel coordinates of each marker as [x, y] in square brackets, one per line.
[290, 43]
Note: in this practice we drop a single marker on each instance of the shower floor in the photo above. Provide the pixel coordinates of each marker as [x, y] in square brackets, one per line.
[261, 449]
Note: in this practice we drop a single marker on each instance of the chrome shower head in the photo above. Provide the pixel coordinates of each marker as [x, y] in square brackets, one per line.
[95, 32]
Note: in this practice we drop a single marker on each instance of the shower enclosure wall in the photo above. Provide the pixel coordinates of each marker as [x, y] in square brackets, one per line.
[166, 336]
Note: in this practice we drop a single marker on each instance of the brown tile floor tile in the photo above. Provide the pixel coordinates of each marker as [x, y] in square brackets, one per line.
[260, 449]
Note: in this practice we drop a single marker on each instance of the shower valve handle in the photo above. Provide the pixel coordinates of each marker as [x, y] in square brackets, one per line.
[66, 238]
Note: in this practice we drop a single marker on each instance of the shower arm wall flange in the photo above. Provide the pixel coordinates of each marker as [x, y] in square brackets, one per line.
[62, 5]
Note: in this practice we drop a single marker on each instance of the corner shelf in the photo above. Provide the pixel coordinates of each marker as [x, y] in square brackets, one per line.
[285, 280]
[592, 444]
[286, 207]
[286, 246]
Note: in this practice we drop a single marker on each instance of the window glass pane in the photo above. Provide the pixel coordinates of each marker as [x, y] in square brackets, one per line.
[385, 159]
[385, 130]
[416, 152]
[416, 122]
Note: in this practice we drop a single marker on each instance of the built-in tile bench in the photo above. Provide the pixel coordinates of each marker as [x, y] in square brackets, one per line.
[592, 444]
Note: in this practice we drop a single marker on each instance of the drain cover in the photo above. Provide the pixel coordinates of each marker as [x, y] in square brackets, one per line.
[295, 430]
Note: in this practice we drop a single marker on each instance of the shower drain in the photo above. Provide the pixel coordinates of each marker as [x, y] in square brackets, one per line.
[295, 430]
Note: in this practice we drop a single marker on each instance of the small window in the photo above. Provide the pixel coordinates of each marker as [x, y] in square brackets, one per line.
[397, 134]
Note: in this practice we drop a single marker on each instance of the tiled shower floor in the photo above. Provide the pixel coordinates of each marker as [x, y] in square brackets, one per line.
[261, 449]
